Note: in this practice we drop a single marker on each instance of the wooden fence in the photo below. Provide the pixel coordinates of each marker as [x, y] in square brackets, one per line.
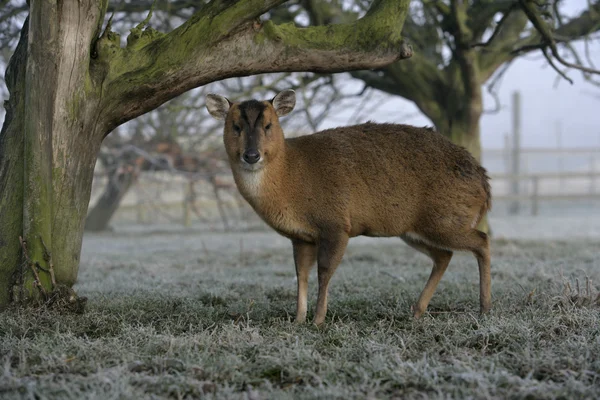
[534, 196]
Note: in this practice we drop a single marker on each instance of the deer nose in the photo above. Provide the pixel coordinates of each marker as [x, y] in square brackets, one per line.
[251, 156]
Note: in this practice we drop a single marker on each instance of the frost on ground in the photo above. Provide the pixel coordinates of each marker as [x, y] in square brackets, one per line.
[178, 313]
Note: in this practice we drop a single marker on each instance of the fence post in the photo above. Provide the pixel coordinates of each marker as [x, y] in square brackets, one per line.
[592, 175]
[560, 155]
[187, 197]
[516, 152]
[139, 207]
[535, 196]
[506, 154]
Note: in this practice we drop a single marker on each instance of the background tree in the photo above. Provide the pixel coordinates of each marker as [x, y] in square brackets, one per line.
[461, 45]
[72, 82]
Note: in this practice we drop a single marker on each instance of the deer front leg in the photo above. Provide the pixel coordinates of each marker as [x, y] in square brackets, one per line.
[330, 253]
[305, 255]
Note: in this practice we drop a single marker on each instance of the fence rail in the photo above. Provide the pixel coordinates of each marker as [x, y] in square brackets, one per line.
[547, 150]
[535, 196]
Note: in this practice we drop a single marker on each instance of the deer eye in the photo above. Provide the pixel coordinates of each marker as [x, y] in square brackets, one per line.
[268, 127]
[237, 129]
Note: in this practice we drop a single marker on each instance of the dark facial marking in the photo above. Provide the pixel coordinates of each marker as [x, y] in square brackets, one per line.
[251, 113]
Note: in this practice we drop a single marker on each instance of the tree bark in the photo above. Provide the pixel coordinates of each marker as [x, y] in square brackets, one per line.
[69, 87]
[11, 171]
[463, 128]
[41, 77]
[48, 150]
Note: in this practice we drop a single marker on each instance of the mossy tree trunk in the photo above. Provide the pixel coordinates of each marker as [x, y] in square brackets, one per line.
[11, 170]
[70, 86]
[48, 149]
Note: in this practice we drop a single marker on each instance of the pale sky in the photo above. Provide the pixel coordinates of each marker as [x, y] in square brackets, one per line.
[544, 106]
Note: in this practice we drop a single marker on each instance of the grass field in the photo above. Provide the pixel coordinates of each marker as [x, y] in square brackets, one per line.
[193, 314]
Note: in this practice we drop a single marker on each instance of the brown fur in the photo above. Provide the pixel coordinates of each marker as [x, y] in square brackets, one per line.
[370, 179]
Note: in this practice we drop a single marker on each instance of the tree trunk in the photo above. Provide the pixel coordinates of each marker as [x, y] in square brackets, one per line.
[48, 149]
[463, 132]
[11, 170]
[119, 182]
[41, 77]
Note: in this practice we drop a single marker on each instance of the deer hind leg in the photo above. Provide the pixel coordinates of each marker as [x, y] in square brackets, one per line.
[482, 253]
[330, 253]
[479, 244]
[305, 255]
[441, 258]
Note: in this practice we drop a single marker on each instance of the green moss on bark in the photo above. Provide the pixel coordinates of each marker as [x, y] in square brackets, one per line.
[374, 31]
[11, 172]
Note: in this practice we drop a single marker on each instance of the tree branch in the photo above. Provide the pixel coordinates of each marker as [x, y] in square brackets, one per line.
[548, 39]
[416, 79]
[587, 22]
[480, 15]
[463, 52]
[496, 31]
[507, 45]
[561, 73]
[462, 33]
[144, 5]
[224, 40]
[498, 51]
[493, 88]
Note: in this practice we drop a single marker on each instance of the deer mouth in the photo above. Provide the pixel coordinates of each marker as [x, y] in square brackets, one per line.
[257, 166]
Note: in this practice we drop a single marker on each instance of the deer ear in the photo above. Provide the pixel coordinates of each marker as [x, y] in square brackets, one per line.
[284, 102]
[217, 106]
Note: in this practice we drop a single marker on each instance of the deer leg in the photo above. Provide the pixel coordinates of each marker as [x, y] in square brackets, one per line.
[482, 253]
[479, 244]
[441, 258]
[305, 255]
[330, 252]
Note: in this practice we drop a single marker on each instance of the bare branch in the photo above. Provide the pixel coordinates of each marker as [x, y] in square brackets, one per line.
[463, 53]
[496, 31]
[480, 14]
[549, 40]
[493, 87]
[551, 62]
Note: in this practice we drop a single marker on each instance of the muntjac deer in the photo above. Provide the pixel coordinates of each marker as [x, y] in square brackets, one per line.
[376, 180]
